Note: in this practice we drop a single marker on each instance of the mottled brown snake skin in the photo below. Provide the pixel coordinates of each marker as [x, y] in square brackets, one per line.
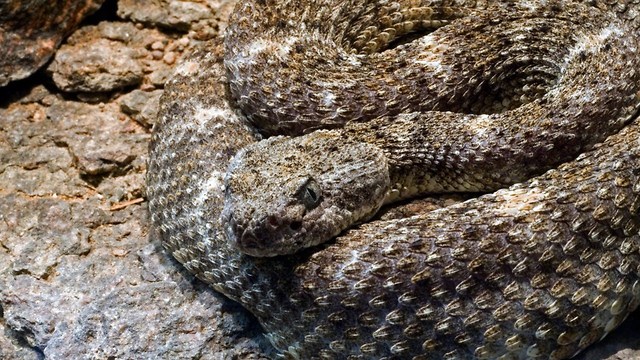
[533, 102]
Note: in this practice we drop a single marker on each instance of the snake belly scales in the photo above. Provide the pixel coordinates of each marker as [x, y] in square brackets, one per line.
[538, 269]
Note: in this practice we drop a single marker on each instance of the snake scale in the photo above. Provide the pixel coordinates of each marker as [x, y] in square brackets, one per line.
[435, 95]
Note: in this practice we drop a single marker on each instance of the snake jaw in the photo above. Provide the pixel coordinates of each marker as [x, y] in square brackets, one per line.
[265, 235]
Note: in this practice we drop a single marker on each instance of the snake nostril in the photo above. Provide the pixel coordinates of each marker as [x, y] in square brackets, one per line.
[295, 225]
[272, 221]
[250, 242]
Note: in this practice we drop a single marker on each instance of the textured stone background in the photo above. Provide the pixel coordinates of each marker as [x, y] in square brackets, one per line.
[31, 30]
[80, 275]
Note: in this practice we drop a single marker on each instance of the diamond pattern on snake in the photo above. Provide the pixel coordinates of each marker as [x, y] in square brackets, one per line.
[277, 146]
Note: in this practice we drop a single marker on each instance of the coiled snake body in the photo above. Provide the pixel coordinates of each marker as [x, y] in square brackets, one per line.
[433, 96]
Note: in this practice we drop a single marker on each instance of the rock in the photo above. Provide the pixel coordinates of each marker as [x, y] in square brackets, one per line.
[141, 105]
[44, 172]
[98, 66]
[30, 32]
[78, 275]
[10, 347]
[118, 31]
[115, 56]
[99, 142]
[180, 15]
[203, 19]
[159, 77]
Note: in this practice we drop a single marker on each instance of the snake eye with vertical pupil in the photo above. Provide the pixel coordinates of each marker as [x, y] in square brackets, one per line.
[310, 193]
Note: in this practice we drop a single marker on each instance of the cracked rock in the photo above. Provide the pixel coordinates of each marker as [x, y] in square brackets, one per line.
[11, 347]
[180, 15]
[97, 66]
[30, 32]
[79, 277]
[97, 138]
[141, 105]
[99, 60]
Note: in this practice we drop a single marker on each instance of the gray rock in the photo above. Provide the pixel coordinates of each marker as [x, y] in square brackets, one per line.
[34, 173]
[96, 139]
[160, 76]
[78, 276]
[11, 347]
[113, 56]
[124, 32]
[141, 105]
[97, 66]
[31, 31]
[180, 15]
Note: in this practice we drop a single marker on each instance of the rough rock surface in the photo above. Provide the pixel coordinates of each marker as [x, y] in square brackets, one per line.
[80, 276]
[199, 16]
[30, 32]
[98, 66]
[114, 56]
[141, 105]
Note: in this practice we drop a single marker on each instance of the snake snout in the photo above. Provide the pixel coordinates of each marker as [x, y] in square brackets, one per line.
[268, 236]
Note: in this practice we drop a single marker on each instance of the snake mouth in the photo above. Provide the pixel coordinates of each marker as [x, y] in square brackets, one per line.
[272, 236]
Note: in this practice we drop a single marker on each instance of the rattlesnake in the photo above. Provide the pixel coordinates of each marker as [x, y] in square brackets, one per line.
[541, 269]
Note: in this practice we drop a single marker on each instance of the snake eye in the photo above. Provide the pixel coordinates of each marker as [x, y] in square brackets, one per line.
[310, 193]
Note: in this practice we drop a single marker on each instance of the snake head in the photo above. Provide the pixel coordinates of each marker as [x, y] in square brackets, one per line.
[285, 194]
